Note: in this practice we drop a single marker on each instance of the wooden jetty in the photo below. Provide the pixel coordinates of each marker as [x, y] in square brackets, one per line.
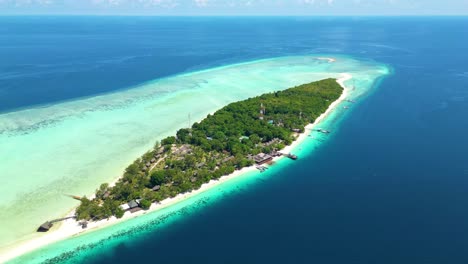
[48, 225]
[291, 156]
[76, 197]
[261, 168]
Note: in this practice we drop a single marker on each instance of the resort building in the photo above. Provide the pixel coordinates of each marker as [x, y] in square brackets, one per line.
[262, 158]
[131, 206]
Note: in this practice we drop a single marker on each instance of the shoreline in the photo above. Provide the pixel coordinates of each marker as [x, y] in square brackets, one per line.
[70, 228]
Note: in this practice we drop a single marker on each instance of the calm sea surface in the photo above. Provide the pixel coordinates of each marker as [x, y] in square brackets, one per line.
[389, 185]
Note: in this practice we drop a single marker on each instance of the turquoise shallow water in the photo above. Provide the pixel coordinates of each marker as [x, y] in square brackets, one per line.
[116, 128]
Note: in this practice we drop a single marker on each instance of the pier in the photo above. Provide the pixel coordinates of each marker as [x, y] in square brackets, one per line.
[48, 225]
[290, 155]
[261, 168]
[76, 197]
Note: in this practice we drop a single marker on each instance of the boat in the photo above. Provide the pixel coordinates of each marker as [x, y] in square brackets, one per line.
[321, 130]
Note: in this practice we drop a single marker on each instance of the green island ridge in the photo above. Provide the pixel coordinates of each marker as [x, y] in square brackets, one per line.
[238, 135]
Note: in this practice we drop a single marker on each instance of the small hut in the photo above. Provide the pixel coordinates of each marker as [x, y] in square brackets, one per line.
[45, 227]
[132, 204]
[160, 151]
[156, 188]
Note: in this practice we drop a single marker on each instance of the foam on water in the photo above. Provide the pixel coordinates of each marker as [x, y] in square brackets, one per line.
[74, 146]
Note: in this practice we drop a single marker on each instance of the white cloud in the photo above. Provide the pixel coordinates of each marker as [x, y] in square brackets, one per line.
[159, 3]
[21, 3]
[201, 3]
[317, 2]
[136, 3]
[240, 6]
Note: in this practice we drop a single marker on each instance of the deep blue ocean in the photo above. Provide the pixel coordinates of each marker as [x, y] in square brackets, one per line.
[389, 186]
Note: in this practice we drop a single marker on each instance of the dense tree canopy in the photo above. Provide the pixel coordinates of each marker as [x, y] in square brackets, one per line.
[216, 146]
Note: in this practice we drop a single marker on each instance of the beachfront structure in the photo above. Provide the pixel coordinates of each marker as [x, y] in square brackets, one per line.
[48, 225]
[262, 158]
[125, 207]
[159, 151]
[131, 206]
[45, 227]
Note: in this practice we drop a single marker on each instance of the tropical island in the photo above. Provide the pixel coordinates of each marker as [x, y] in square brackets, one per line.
[239, 135]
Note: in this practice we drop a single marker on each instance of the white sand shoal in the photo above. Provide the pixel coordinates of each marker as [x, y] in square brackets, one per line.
[327, 59]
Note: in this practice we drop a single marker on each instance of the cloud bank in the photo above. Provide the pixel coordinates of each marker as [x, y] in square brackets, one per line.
[236, 7]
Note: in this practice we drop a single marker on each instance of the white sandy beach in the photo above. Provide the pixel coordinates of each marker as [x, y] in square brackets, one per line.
[70, 228]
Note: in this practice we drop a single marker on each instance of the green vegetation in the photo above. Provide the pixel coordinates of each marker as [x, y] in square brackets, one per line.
[217, 146]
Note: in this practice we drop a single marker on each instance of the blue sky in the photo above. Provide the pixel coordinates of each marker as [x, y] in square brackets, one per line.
[236, 7]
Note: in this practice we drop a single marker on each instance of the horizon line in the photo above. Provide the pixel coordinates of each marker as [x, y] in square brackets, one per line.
[235, 15]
